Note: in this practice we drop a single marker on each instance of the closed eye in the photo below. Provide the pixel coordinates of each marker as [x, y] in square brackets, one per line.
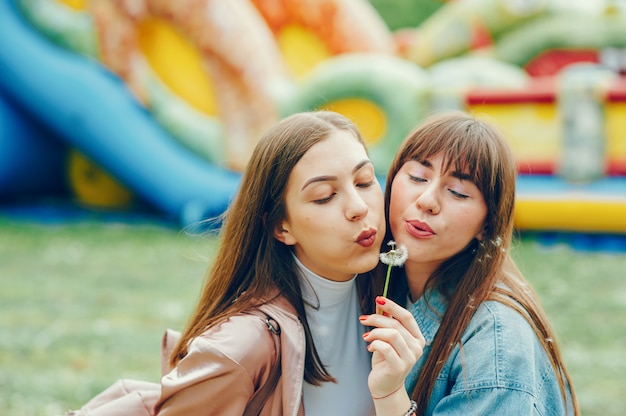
[322, 201]
[458, 194]
[416, 179]
[365, 184]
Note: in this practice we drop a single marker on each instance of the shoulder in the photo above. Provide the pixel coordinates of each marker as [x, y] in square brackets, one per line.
[500, 348]
[246, 337]
[500, 364]
[493, 318]
[242, 338]
[227, 362]
[502, 329]
[279, 308]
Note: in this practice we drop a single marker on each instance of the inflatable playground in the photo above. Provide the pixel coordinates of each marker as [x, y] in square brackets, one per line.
[114, 103]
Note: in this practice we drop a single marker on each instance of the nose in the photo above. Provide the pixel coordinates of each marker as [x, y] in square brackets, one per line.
[429, 200]
[357, 207]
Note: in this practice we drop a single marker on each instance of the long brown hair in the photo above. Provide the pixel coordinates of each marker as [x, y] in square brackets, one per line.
[250, 263]
[484, 270]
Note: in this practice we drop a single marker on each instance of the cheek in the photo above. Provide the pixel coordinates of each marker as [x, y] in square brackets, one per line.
[376, 204]
[395, 210]
[471, 220]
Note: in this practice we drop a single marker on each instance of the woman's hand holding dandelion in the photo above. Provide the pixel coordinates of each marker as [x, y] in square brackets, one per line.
[396, 343]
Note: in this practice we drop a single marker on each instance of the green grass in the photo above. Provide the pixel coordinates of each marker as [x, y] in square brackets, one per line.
[84, 304]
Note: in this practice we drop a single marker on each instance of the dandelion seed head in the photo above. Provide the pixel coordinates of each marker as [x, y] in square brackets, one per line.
[395, 256]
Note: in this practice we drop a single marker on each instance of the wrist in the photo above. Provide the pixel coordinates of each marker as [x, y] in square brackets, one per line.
[412, 410]
[389, 394]
[395, 403]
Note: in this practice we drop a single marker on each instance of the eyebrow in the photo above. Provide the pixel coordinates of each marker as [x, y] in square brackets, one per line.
[462, 176]
[327, 178]
[456, 174]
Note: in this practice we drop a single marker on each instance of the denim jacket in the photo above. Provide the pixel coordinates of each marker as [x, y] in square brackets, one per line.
[501, 368]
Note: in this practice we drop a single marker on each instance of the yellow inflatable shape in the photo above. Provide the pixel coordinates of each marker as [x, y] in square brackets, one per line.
[95, 187]
[616, 130]
[532, 129]
[177, 63]
[301, 49]
[586, 215]
[369, 118]
[75, 4]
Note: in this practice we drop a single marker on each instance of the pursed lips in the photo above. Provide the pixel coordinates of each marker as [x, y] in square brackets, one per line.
[419, 229]
[366, 238]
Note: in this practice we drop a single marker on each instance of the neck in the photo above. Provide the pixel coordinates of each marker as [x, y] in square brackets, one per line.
[320, 291]
[416, 276]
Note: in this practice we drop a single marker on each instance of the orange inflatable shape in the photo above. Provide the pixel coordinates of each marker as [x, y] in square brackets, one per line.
[218, 56]
[310, 31]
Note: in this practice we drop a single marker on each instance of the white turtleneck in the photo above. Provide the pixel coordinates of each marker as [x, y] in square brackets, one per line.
[332, 310]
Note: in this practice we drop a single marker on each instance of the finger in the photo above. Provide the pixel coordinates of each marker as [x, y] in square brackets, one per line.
[395, 363]
[408, 349]
[382, 322]
[392, 309]
[395, 317]
[388, 365]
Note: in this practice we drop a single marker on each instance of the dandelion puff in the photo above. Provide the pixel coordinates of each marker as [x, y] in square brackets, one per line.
[394, 257]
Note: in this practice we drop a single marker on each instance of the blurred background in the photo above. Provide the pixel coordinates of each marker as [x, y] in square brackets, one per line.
[125, 122]
[131, 105]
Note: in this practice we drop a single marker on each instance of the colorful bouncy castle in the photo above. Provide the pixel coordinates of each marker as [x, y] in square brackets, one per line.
[112, 103]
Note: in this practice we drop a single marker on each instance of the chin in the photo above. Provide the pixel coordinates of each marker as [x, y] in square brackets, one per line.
[371, 264]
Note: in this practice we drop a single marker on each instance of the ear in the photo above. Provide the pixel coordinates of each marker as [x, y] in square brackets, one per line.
[282, 234]
[481, 233]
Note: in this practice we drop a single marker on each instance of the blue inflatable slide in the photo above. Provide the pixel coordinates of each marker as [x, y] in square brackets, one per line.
[44, 88]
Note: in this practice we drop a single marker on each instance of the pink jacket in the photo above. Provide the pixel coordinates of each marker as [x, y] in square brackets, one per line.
[229, 362]
[223, 368]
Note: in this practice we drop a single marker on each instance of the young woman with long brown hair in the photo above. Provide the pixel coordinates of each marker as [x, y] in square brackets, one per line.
[308, 217]
[449, 200]
[278, 328]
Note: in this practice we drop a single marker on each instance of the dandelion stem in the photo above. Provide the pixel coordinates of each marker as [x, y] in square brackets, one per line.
[387, 281]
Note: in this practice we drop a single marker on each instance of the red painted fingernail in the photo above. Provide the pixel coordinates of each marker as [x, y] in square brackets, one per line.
[380, 300]
[365, 334]
[362, 317]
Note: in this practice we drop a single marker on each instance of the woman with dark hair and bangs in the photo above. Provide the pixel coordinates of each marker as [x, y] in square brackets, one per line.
[449, 201]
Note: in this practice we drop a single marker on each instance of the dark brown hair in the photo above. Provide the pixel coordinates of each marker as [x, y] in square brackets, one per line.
[250, 262]
[484, 270]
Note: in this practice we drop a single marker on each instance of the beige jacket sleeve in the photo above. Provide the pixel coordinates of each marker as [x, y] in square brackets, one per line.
[221, 370]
